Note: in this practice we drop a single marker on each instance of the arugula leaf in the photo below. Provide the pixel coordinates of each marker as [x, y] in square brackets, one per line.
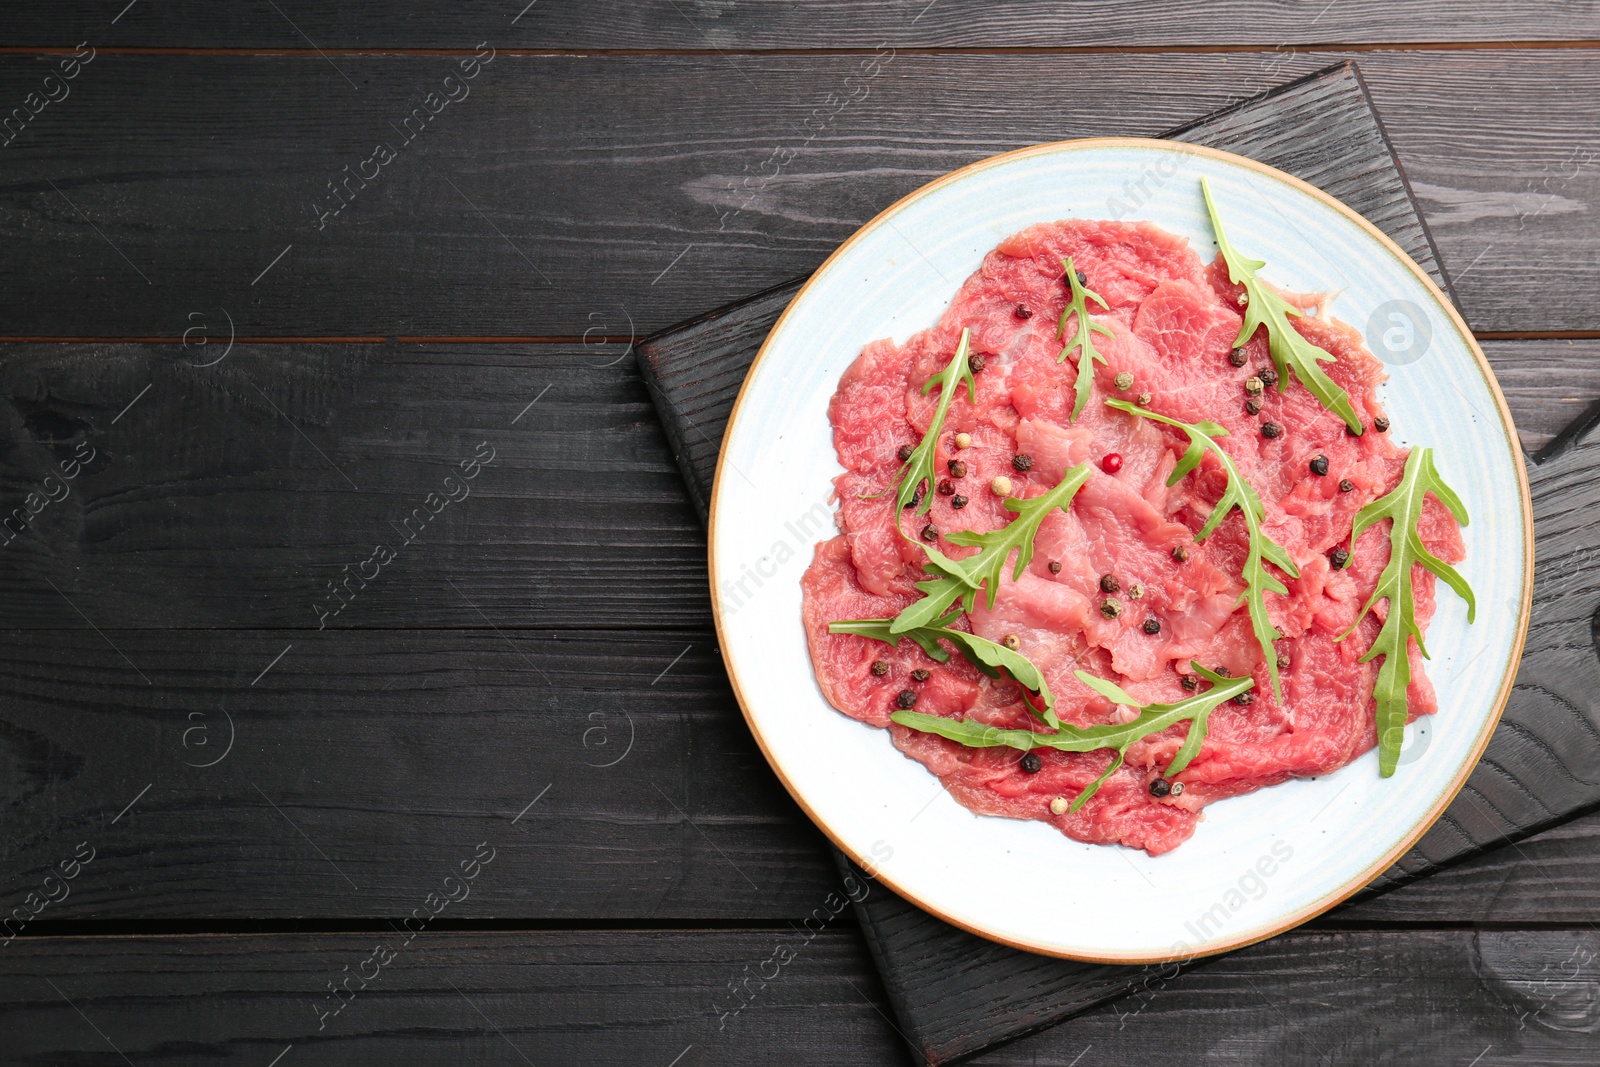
[981, 652]
[920, 467]
[1152, 719]
[1258, 581]
[1403, 507]
[1291, 352]
[1083, 336]
[960, 579]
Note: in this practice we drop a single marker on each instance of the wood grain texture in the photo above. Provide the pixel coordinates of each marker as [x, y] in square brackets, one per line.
[231, 495]
[733, 25]
[615, 998]
[365, 765]
[619, 194]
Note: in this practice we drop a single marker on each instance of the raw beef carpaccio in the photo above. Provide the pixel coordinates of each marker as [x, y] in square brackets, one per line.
[1174, 319]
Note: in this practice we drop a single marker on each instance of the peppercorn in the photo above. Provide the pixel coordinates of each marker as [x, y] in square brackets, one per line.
[1180, 554]
[1022, 461]
[920, 675]
[1144, 400]
[1339, 557]
[1346, 485]
[1245, 699]
[1111, 463]
[1083, 279]
[1055, 566]
[1160, 787]
[1189, 682]
[1349, 432]
[1031, 764]
[1237, 357]
[957, 468]
[1059, 806]
[1380, 424]
[1223, 671]
[880, 667]
[1282, 656]
[1268, 376]
[1135, 591]
[930, 532]
[1001, 486]
[1253, 386]
[1152, 625]
[1024, 311]
[904, 452]
[916, 496]
[1271, 429]
[1011, 641]
[958, 501]
[1253, 405]
[1123, 380]
[1177, 789]
[1109, 583]
[1110, 608]
[977, 363]
[1319, 466]
[906, 698]
[945, 488]
[963, 440]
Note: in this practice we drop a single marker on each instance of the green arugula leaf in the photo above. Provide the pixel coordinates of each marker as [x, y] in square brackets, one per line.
[920, 467]
[961, 579]
[1403, 507]
[1152, 719]
[982, 653]
[1291, 352]
[1258, 581]
[1083, 336]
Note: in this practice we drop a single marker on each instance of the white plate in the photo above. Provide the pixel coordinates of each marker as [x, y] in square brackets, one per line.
[1257, 864]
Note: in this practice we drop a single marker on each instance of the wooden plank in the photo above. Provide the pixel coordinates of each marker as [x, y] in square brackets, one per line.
[615, 998]
[249, 518]
[673, 183]
[231, 495]
[661, 24]
[611, 772]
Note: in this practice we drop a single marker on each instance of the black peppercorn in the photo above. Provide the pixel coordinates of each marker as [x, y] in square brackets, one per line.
[1083, 279]
[916, 496]
[958, 501]
[1237, 357]
[977, 363]
[1022, 461]
[1380, 424]
[1346, 485]
[1190, 683]
[1024, 311]
[1271, 430]
[1031, 764]
[920, 675]
[1352, 432]
[930, 532]
[958, 469]
[1222, 671]
[1268, 376]
[1339, 557]
[1055, 566]
[1160, 787]
[906, 698]
[880, 667]
[1152, 625]
[1245, 699]
[904, 452]
[1319, 466]
[1253, 405]
[1180, 554]
[1109, 583]
[945, 488]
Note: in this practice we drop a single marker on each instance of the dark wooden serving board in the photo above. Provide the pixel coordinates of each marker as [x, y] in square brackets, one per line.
[955, 993]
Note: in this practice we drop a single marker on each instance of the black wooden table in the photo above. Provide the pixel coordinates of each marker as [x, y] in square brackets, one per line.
[359, 702]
